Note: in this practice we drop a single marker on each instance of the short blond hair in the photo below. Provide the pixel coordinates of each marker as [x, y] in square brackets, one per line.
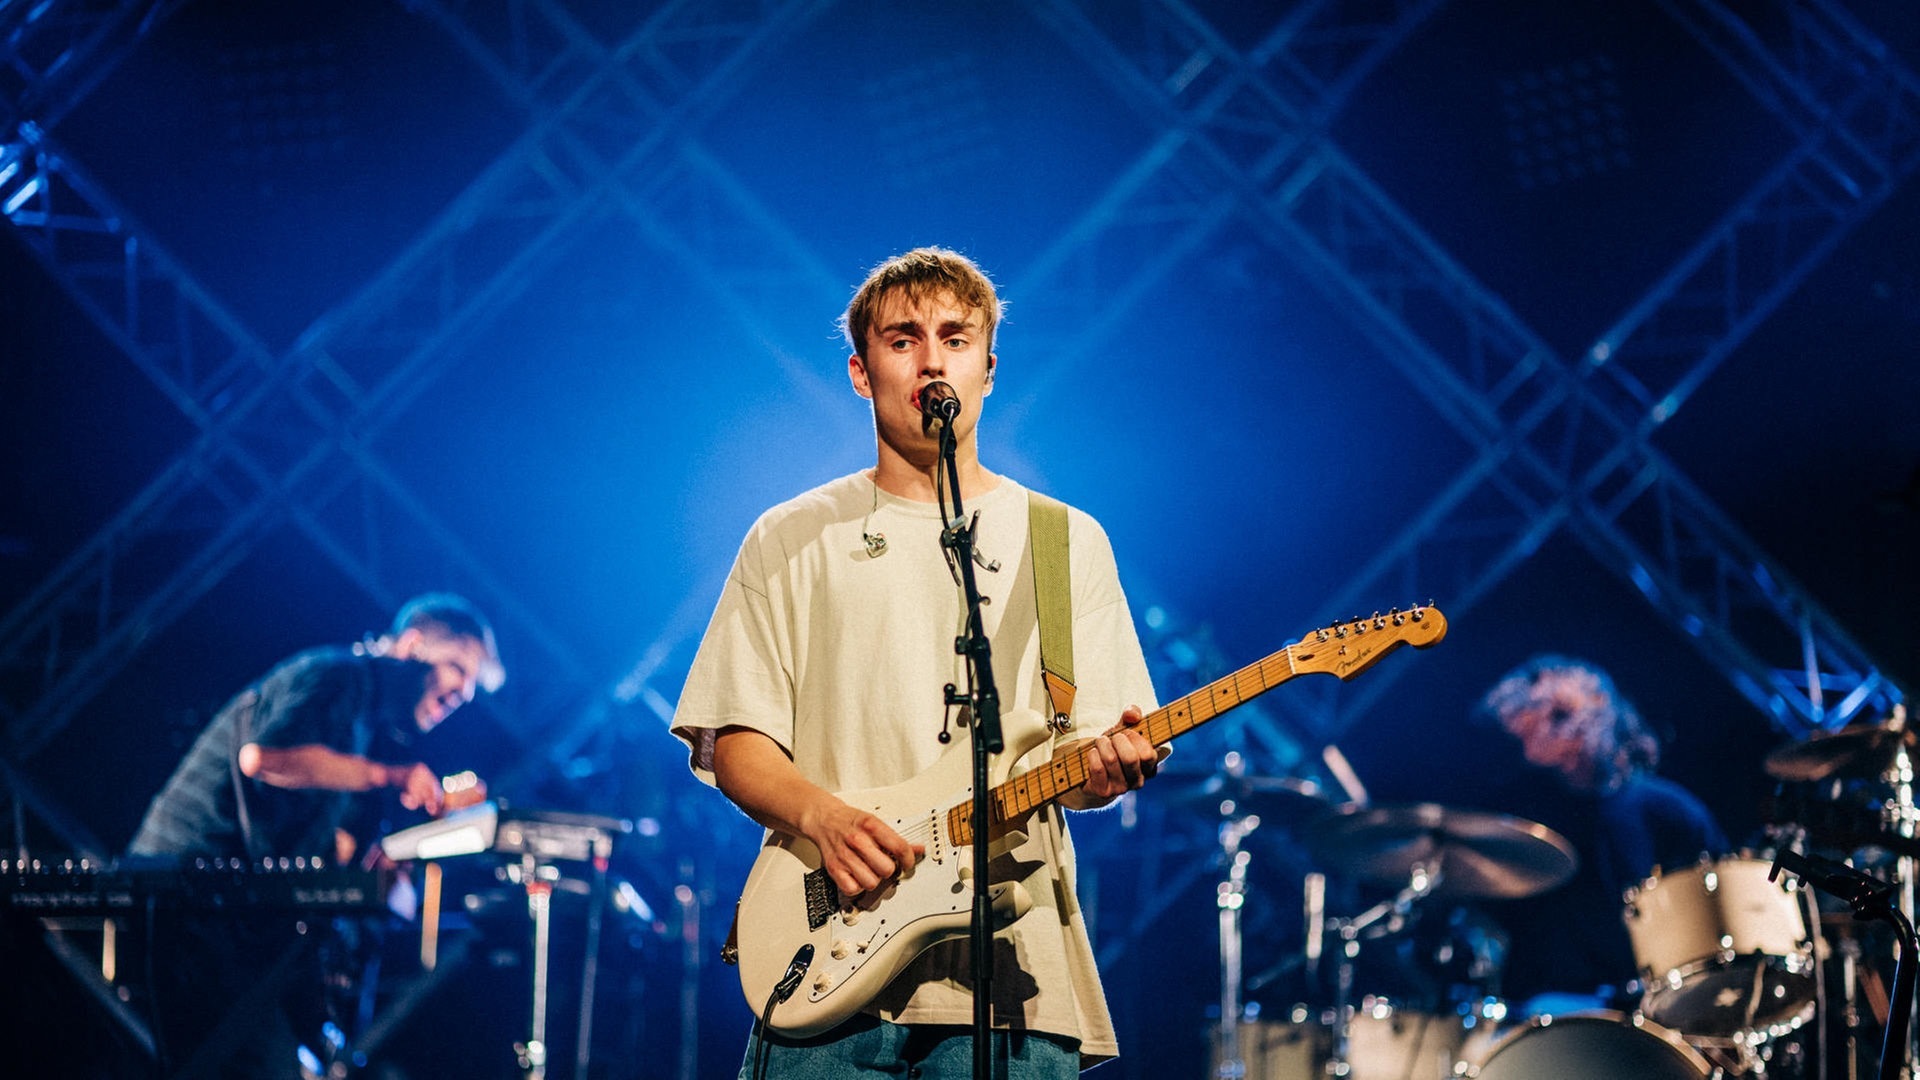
[919, 274]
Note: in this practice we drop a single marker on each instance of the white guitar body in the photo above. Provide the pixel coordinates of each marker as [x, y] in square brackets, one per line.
[792, 916]
[789, 902]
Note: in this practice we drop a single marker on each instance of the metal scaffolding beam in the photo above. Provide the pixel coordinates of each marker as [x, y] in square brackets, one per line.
[1536, 418]
[650, 192]
[54, 52]
[1141, 195]
[1157, 213]
[394, 336]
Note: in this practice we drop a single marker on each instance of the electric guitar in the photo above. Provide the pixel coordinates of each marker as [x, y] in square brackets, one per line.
[794, 925]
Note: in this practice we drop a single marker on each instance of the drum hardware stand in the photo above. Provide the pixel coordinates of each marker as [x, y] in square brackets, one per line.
[539, 878]
[533, 841]
[98, 983]
[1231, 897]
[1421, 883]
[1817, 935]
[1314, 900]
[1748, 1057]
[1900, 774]
[1850, 1006]
[538, 881]
[1870, 898]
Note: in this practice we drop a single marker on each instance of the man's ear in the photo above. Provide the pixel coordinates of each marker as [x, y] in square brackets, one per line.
[857, 372]
[992, 363]
[407, 644]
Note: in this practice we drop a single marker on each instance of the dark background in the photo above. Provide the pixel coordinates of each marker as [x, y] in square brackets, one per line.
[568, 396]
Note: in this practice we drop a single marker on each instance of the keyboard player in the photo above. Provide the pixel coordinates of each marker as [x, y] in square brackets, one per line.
[282, 770]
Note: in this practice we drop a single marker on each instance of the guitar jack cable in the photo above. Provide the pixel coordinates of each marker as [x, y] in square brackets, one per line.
[789, 982]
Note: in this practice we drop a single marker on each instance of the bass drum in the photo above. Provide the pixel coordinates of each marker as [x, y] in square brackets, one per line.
[1599, 1045]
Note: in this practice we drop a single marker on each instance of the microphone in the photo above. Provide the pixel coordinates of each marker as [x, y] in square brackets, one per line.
[938, 404]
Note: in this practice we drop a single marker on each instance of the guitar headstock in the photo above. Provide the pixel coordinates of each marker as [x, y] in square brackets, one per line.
[1349, 648]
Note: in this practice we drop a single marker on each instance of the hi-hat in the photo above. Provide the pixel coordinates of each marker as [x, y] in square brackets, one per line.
[1473, 853]
[1864, 751]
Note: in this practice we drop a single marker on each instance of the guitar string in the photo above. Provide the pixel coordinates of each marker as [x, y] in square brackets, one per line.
[924, 830]
[1187, 708]
[1184, 708]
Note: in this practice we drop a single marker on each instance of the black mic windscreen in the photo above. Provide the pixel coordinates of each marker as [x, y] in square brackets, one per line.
[938, 402]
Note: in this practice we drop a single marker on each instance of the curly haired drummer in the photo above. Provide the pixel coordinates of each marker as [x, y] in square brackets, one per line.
[1569, 719]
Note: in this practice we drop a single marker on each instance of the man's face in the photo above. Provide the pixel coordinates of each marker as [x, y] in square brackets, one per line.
[453, 673]
[1546, 739]
[911, 344]
[1553, 729]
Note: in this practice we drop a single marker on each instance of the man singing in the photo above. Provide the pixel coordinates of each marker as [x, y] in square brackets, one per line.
[823, 671]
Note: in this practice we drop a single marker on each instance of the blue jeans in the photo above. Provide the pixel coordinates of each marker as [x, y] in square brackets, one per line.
[867, 1046]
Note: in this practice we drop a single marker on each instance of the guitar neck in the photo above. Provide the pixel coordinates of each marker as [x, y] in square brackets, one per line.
[1014, 799]
[1341, 650]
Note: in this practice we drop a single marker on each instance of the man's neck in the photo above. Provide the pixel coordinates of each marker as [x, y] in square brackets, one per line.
[914, 479]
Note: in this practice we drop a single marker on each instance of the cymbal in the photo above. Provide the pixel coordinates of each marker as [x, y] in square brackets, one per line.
[1279, 799]
[1477, 854]
[1858, 751]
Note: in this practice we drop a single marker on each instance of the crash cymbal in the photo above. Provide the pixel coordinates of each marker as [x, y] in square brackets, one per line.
[1477, 854]
[1279, 799]
[1858, 751]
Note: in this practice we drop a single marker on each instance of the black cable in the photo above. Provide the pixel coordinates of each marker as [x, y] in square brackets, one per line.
[782, 990]
[759, 1037]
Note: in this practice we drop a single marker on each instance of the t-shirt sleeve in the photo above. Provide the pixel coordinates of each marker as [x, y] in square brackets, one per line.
[306, 702]
[740, 677]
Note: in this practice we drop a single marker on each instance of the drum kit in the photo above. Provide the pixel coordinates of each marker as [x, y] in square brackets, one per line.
[1739, 967]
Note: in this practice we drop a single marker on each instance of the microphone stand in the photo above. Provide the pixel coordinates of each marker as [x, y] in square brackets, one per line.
[984, 703]
[1870, 899]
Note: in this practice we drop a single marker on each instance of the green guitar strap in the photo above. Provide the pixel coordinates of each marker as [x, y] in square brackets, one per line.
[1053, 596]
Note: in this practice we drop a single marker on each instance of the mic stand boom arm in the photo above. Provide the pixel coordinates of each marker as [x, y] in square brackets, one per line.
[1870, 899]
[984, 704]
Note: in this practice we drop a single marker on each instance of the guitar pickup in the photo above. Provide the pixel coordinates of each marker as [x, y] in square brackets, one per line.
[823, 898]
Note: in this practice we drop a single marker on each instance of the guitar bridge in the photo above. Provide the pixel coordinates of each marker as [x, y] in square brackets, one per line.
[823, 898]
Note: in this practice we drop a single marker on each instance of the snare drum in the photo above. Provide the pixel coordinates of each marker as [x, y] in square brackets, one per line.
[1722, 950]
[1598, 1045]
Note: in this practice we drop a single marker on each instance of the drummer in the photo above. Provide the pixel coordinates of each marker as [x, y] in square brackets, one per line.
[1569, 947]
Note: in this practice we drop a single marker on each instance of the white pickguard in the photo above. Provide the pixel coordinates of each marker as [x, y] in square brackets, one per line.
[788, 902]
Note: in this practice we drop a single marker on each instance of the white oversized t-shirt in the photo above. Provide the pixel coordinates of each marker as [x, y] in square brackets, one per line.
[842, 658]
